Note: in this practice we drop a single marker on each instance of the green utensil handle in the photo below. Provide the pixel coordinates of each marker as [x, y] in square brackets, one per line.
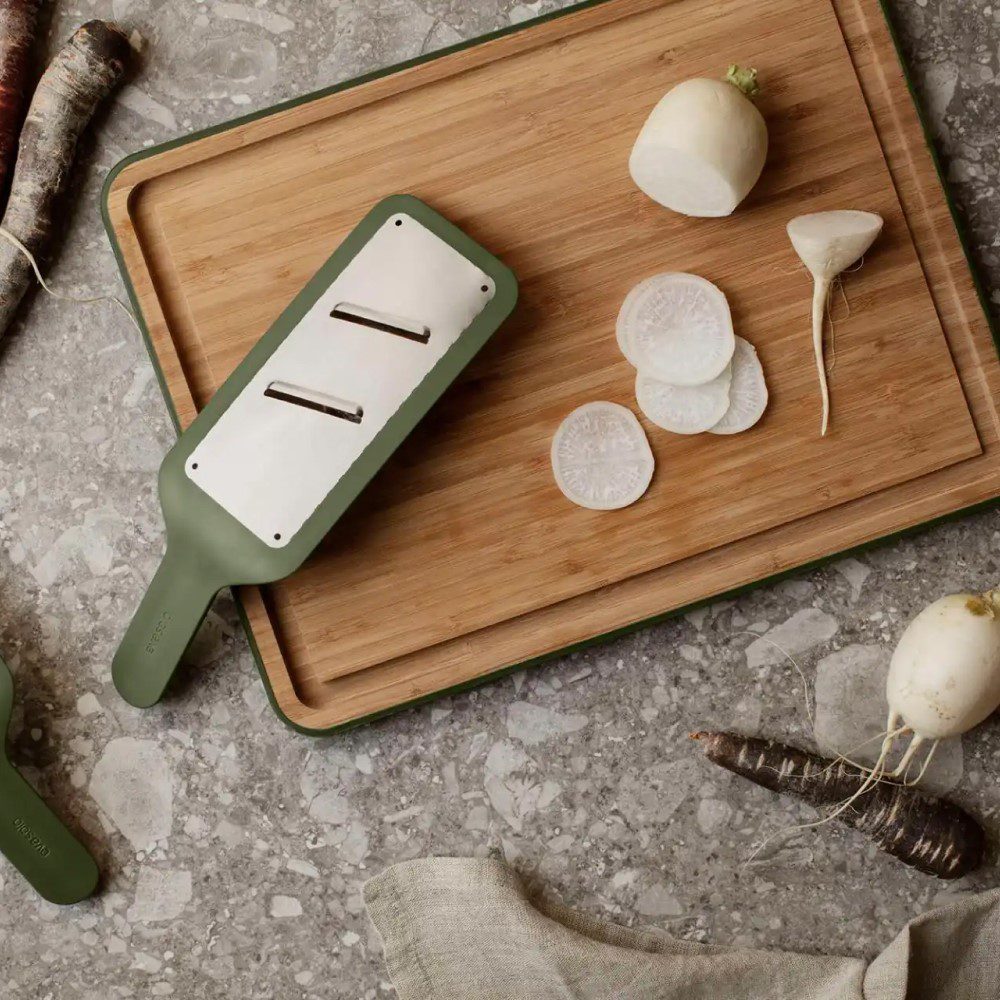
[37, 844]
[177, 600]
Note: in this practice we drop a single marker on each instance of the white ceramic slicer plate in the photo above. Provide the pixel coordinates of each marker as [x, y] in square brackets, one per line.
[321, 398]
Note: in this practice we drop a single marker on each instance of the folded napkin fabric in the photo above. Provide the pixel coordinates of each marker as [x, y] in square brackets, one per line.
[471, 929]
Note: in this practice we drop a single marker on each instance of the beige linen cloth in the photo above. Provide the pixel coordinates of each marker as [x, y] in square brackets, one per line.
[457, 929]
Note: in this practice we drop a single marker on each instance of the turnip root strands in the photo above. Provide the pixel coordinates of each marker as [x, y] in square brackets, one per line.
[828, 243]
[18, 19]
[601, 459]
[929, 834]
[81, 75]
[677, 328]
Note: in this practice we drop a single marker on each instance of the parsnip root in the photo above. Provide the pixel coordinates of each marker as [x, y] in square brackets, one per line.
[18, 19]
[87, 68]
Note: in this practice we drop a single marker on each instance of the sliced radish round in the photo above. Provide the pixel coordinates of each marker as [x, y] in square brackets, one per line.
[676, 328]
[747, 394]
[601, 458]
[684, 409]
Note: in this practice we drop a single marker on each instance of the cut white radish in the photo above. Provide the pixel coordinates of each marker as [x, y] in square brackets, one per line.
[677, 328]
[828, 243]
[684, 409]
[601, 458]
[703, 146]
[747, 393]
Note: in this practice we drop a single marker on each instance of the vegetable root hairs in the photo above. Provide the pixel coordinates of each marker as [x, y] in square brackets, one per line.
[838, 286]
[926, 764]
[64, 296]
[84, 71]
[811, 715]
[907, 758]
[847, 756]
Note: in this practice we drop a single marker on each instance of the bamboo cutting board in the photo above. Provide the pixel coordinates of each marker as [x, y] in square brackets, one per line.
[462, 558]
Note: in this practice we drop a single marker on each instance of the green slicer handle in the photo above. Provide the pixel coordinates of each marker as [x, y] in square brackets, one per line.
[37, 844]
[55, 863]
[176, 602]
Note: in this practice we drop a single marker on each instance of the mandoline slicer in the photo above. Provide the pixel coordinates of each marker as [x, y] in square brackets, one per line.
[311, 414]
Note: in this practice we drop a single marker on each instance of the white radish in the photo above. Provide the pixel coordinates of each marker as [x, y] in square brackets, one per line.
[944, 679]
[944, 676]
[677, 328]
[828, 243]
[684, 409]
[601, 458]
[747, 393]
[703, 146]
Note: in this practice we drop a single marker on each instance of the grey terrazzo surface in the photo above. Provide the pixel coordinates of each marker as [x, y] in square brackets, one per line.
[233, 850]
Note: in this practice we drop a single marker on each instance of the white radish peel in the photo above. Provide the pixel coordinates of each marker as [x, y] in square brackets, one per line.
[601, 459]
[828, 243]
[684, 409]
[703, 146]
[677, 328]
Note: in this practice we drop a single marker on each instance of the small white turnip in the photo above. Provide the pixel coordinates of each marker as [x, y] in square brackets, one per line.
[944, 677]
[703, 146]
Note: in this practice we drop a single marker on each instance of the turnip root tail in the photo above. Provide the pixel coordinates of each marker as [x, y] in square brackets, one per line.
[81, 75]
[821, 296]
[929, 834]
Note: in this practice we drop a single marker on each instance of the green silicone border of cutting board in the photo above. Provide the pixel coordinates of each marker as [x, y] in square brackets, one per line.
[615, 633]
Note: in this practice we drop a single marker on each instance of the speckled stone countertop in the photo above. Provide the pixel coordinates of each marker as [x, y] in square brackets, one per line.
[233, 850]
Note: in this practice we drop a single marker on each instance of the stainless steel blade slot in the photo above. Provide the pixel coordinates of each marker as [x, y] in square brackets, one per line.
[318, 401]
[375, 320]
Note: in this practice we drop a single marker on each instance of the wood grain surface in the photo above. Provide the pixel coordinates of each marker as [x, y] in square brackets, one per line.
[462, 557]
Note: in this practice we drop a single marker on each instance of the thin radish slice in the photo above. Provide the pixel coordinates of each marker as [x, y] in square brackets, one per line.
[677, 328]
[684, 409]
[601, 458]
[747, 394]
